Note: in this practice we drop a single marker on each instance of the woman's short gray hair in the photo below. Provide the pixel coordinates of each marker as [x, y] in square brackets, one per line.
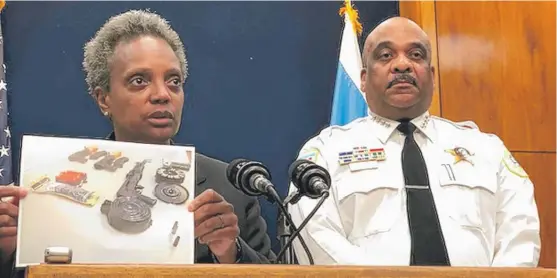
[124, 27]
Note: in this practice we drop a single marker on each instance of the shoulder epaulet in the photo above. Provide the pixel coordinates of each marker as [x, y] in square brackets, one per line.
[459, 125]
[467, 125]
[328, 130]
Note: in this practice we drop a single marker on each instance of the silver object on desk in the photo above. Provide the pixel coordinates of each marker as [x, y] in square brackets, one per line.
[58, 255]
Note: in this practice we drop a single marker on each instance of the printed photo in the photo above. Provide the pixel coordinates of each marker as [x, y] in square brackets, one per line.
[106, 201]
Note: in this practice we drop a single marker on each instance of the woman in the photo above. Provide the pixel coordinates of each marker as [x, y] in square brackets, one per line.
[135, 68]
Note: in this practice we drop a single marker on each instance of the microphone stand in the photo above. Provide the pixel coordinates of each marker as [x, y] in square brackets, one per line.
[288, 226]
[283, 236]
[293, 198]
[285, 230]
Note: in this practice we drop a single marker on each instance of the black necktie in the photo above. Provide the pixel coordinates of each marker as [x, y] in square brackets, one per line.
[428, 245]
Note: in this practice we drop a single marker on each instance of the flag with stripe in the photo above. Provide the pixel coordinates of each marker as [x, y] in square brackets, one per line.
[348, 101]
[6, 176]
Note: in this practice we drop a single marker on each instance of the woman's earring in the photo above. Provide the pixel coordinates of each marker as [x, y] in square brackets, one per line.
[105, 113]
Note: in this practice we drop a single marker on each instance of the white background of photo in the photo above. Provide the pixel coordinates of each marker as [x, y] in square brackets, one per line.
[48, 220]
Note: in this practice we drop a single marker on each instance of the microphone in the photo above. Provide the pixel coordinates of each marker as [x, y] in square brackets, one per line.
[253, 178]
[250, 177]
[311, 179]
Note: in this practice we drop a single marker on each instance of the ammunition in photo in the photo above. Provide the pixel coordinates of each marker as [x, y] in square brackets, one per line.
[39, 183]
[175, 227]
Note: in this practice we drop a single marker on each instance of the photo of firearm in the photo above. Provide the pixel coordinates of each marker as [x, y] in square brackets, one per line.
[81, 156]
[111, 162]
[130, 212]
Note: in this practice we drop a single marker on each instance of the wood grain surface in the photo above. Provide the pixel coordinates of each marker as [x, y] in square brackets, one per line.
[209, 271]
[497, 68]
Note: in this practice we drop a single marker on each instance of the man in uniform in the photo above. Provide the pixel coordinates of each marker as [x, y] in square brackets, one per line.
[413, 189]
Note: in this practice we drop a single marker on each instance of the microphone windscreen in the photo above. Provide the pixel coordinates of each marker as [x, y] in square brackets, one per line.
[292, 169]
[232, 170]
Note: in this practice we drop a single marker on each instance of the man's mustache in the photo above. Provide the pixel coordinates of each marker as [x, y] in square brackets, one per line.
[402, 78]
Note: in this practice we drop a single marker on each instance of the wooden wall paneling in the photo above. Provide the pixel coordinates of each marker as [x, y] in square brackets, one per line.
[497, 68]
[541, 169]
[423, 13]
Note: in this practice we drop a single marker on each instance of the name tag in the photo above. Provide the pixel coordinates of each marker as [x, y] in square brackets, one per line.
[364, 165]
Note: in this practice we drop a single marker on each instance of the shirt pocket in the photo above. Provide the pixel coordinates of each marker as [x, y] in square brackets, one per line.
[470, 196]
[369, 199]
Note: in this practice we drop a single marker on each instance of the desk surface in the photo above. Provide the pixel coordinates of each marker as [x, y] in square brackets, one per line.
[212, 270]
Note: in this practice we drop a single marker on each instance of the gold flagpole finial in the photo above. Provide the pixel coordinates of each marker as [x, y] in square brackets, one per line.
[352, 15]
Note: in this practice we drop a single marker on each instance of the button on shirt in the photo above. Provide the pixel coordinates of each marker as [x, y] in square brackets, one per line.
[484, 199]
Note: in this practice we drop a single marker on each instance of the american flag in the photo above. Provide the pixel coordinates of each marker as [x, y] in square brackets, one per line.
[6, 176]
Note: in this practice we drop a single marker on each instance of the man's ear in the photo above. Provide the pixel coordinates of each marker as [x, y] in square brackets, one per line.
[363, 79]
[102, 99]
[433, 75]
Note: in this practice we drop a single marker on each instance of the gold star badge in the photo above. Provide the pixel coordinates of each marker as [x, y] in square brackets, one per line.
[461, 154]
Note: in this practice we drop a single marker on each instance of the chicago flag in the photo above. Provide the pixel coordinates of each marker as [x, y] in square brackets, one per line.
[348, 101]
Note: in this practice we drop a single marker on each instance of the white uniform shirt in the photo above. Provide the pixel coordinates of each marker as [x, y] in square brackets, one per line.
[485, 201]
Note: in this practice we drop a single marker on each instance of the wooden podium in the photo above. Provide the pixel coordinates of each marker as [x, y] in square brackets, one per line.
[264, 271]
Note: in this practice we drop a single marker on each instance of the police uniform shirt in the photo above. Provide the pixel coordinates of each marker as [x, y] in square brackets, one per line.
[484, 199]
